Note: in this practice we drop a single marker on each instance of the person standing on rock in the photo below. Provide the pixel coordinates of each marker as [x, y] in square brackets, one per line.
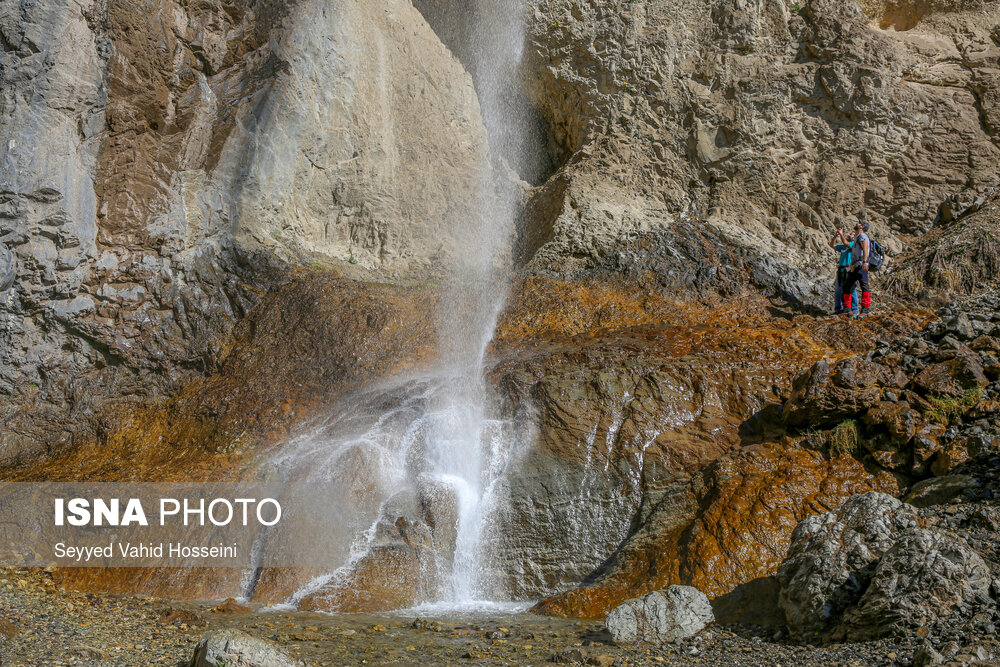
[843, 245]
[859, 270]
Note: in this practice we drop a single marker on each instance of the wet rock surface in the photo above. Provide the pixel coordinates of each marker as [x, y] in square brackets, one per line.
[810, 455]
[625, 425]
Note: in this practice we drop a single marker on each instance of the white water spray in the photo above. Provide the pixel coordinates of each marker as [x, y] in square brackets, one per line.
[435, 431]
[463, 446]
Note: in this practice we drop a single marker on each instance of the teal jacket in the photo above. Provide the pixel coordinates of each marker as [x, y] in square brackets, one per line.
[845, 253]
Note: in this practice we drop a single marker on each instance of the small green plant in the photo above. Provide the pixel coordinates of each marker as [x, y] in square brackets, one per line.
[844, 438]
[947, 410]
[796, 7]
[352, 260]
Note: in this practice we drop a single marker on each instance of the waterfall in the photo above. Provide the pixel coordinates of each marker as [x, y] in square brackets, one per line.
[432, 437]
[459, 450]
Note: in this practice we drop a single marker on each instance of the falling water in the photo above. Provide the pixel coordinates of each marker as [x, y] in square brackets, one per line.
[460, 450]
[435, 431]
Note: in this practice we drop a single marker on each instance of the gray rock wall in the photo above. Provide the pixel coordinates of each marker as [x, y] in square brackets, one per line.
[162, 166]
[716, 143]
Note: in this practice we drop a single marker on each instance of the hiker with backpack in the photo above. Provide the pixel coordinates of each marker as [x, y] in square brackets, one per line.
[843, 244]
[866, 255]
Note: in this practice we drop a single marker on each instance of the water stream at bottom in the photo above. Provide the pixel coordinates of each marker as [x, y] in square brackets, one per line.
[428, 437]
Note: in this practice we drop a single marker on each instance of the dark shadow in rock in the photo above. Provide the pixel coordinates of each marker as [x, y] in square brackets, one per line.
[755, 602]
[762, 426]
[781, 313]
[598, 636]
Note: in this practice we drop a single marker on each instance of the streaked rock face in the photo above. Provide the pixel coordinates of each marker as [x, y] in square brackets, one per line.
[161, 163]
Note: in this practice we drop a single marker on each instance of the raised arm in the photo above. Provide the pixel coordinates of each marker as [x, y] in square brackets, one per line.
[838, 236]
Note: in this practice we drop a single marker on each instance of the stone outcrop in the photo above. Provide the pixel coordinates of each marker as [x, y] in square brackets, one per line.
[870, 569]
[729, 526]
[831, 557]
[661, 617]
[924, 576]
[315, 339]
[407, 560]
[918, 406]
[620, 428]
[162, 164]
[233, 648]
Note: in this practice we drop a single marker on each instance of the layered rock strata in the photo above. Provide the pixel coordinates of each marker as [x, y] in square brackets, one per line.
[162, 165]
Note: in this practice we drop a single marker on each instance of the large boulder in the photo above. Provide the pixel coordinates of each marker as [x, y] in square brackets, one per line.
[953, 377]
[833, 556]
[870, 569]
[663, 616]
[924, 576]
[233, 648]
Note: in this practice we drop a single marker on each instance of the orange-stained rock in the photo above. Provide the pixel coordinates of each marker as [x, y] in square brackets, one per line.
[753, 501]
[631, 394]
[740, 513]
[180, 617]
[620, 420]
[277, 584]
[301, 348]
[7, 629]
[194, 583]
[953, 377]
[385, 579]
[230, 606]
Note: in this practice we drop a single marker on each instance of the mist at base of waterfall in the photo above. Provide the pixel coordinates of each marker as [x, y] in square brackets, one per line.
[431, 435]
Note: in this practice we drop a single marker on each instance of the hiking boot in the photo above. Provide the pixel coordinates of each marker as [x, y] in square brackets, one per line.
[864, 311]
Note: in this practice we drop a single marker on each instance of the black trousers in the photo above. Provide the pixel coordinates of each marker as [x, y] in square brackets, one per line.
[855, 277]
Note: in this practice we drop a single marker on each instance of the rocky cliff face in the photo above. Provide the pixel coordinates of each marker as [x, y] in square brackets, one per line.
[717, 143]
[217, 219]
[162, 164]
